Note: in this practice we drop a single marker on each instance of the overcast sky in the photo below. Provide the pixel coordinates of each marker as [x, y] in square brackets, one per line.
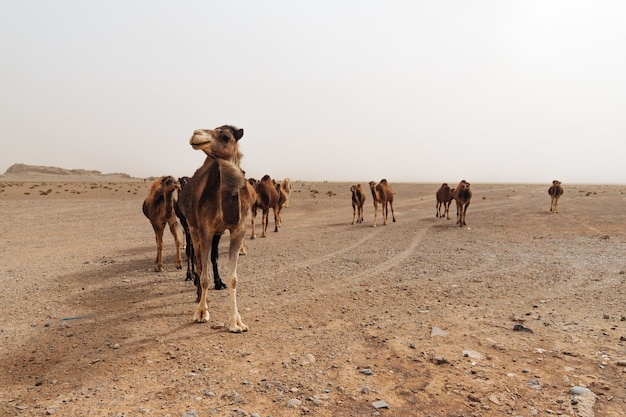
[412, 91]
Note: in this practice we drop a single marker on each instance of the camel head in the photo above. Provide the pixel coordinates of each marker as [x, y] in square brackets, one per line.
[219, 143]
[182, 181]
[556, 182]
[169, 184]
[372, 185]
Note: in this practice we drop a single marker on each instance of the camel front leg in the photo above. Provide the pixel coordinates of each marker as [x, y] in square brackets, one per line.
[353, 213]
[252, 217]
[375, 213]
[174, 230]
[234, 324]
[201, 314]
[158, 233]
[393, 215]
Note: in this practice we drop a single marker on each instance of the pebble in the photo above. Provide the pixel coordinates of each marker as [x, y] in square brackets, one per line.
[190, 413]
[436, 331]
[471, 354]
[307, 359]
[579, 390]
[380, 404]
[621, 362]
[294, 402]
[366, 371]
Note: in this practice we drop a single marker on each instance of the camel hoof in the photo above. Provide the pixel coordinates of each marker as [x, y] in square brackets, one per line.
[201, 315]
[179, 267]
[238, 328]
[220, 285]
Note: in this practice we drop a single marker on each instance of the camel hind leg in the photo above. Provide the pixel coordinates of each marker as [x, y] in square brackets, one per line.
[219, 285]
[393, 216]
[264, 221]
[174, 230]
[158, 233]
[276, 219]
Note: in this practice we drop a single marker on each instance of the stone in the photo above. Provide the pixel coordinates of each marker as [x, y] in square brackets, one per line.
[294, 402]
[436, 331]
[579, 390]
[471, 354]
[380, 404]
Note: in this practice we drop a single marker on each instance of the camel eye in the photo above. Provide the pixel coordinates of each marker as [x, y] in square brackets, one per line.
[224, 138]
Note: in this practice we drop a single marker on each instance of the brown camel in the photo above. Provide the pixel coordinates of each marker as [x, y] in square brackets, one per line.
[214, 200]
[285, 185]
[444, 198]
[358, 200]
[266, 199]
[159, 209]
[462, 194]
[383, 194]
[555, 191]
[283, 198]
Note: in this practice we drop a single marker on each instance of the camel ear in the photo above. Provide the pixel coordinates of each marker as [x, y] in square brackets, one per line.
[238, 134]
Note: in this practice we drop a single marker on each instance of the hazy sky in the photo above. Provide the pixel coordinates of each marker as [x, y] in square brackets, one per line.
[411, 91]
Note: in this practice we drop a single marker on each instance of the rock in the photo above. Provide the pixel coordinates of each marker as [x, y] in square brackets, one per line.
[380, 404]
[520, 328]
[366, 371]
[190, 413]
[621, 362]
[294, 402]
[494, 399]
[440, 360]
[436, 331]
[583, 403]
[535, 384]
[307, 359]
[471, 354]
[579, 390]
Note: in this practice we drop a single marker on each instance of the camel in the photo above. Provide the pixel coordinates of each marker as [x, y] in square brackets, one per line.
[192, 275]
[462, 194]
[158, 208]
[555, 191]
[285, 185]
[283, 198]
[266, 198]
[383, 194]
[358, 200]
[214, 200]
[444, 198]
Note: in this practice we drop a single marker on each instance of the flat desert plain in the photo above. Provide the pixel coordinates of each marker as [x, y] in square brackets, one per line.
[521, 313]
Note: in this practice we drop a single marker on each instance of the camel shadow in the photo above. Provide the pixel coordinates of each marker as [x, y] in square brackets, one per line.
[102, 319]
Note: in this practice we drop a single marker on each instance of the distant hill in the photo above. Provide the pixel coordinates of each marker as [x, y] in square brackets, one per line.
[24, 170]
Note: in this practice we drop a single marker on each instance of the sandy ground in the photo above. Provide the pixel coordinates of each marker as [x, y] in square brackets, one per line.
[416, 318]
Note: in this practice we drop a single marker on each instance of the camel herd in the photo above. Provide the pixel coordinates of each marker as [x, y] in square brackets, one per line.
[218, 197]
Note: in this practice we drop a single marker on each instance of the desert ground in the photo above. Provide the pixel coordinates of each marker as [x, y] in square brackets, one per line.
[522, 312]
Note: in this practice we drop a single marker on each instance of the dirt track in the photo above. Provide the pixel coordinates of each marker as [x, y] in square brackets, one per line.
[341, 316]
